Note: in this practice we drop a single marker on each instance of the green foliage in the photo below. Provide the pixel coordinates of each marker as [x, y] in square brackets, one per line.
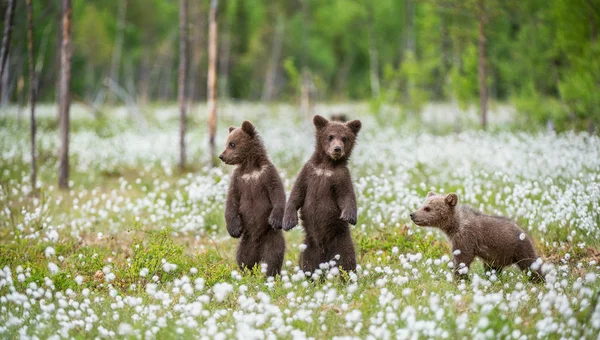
[160, 247]
[536, 51]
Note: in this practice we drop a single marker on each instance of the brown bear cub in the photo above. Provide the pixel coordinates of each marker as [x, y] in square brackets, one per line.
[255, 201]
[498, 241]
[324, 194]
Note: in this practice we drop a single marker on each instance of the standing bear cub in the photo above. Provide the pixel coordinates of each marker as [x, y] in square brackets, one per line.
[255, 201]
[323, 192]
[498, 241]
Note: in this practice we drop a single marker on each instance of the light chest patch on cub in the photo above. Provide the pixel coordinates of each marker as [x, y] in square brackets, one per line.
[322, 172]
[254, 175]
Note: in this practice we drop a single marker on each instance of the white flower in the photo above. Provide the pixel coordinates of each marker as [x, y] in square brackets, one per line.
[53, 268]
[522, 236]
[302, 247]
[49, 252]
[52, 235]
[144, 272]
[125, 329]
[590, 277]
[79, 279]
[221, 290]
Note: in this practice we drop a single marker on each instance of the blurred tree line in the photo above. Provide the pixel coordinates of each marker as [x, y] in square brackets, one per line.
[542, 55]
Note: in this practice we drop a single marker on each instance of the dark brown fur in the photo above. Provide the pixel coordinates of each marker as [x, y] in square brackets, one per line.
[255, 201]
[495, 239]
[324, 194]
[339, 117]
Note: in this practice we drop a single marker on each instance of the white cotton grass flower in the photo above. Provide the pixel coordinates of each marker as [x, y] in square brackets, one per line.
[125, 329]
[79, 279]
[590, 277]
[49, 252]
[221, 290]
[168, 267]
[144, 272]
[302, 247]
[53, 268]
[522, 236]
[52, 235]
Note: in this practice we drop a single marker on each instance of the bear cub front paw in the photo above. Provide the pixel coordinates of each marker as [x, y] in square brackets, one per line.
[276, 218]
[290, 220]
[349, 215]
[234, 227]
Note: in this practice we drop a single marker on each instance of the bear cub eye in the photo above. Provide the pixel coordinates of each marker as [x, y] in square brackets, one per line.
[343, 139]
[232, 145]
[427, 209]
[330, 137]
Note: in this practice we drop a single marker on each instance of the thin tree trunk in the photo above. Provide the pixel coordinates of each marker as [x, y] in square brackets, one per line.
[31, 91]
[65, 96]
[304, 86]
[212, 79]
[342, 75]
[144, 80]
[58, 56]
[482, 62]
[118, 46]
[271, 77]
[409, 44]
[225, 54]
[373, 58]
[196, 52]
[8, 22]
[183, 42]
[5, 84]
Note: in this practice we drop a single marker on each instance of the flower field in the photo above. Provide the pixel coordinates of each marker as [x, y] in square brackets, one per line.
[136, 248]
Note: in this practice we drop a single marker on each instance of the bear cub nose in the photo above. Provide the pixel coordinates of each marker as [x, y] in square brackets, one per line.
[221, 157]
[337, 149]
[412, 216]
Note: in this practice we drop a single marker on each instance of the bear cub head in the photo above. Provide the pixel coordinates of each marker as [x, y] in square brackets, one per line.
[436, 210]
[242, 145]
[335, 139]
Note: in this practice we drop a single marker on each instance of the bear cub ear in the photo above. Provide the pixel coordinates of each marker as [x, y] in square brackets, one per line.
[320, 122]
[452, 199]
[231, 128]
[354, 125]
[248, 128]
[431, 193]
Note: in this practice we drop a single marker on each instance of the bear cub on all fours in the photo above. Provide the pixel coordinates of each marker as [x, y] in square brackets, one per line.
[255, 201]
[324, 194]
[497, 240]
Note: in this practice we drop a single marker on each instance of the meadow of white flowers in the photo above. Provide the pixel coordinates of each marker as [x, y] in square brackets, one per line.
[123, 180]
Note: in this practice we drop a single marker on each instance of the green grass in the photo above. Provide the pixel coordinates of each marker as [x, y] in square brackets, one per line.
[400, 284]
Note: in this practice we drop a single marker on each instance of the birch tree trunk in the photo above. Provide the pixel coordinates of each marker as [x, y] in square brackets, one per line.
[271, 77]
[65, 96]
[183, 42]
[8, 22]
[212, 79]
[481, 66]
[32, 85]
[373, 58]
[117, 48]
